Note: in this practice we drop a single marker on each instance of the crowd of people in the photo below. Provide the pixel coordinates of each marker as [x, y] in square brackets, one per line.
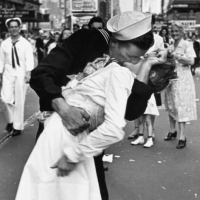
[90, 109]
[179, 97]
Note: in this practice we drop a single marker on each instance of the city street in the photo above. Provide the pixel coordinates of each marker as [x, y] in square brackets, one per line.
[136, 173]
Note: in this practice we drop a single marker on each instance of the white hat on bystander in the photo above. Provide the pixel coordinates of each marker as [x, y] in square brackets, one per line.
[13, 19]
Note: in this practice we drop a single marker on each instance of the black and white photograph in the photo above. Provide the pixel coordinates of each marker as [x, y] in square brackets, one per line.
[99, 99]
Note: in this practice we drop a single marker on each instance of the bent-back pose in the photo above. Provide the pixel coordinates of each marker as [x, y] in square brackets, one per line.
[99, 97]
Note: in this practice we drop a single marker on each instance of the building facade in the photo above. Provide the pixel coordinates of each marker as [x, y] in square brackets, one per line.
[108, 8]
[27, 10]
[137, 5]
[185, 11]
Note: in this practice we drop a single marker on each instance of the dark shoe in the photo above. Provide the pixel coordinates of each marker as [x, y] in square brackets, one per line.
[105, 167]
[9, 127]
[16, 132]
[181, 144]
[170, 136]
[133, 137]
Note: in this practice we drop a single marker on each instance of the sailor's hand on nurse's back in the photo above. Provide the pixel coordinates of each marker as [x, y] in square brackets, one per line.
[74, 119]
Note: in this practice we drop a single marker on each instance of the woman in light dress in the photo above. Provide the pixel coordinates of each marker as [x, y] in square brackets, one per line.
[180, 94]
[146, 119]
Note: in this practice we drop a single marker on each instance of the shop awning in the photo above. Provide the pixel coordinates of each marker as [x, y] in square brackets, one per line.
[17, 1]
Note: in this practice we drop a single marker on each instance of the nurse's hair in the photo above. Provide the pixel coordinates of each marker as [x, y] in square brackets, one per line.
[161, 74]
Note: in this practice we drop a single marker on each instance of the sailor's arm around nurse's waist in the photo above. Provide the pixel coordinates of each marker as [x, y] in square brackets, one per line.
[74, 119]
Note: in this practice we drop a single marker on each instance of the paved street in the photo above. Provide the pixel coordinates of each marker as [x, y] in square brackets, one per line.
[159, 173]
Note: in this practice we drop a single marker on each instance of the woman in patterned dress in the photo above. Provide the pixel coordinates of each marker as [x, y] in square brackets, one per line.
[180, 94]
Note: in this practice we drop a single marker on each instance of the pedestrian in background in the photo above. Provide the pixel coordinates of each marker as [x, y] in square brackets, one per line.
[164, 34]
[180, 94]
[76, 27]
[146, 119]
[66, 32]
[16, 62]
[84, 26]
[40, 46]
[49, 40]
[96, 22]
[196, 47]
[56, 40]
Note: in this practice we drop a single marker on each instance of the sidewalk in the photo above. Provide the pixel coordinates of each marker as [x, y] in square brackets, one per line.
[31, 110]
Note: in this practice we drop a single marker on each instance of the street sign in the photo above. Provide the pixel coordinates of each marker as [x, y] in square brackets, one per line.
[84, 5]
[189, 25]
[179, 5]
[28, 14]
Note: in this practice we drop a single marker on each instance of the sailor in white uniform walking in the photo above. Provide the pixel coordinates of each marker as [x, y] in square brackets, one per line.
[16, 63]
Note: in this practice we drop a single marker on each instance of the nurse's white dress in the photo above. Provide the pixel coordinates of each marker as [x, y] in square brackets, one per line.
[104, 93]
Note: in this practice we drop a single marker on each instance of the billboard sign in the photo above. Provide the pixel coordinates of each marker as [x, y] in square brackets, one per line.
[84, 5]
[28, 14]
[189, 25]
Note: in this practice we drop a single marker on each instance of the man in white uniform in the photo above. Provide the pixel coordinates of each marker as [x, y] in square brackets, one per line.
[16, 62]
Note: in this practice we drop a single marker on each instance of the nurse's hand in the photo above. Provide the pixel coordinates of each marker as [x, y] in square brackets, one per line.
[74, 119]
[63, 166]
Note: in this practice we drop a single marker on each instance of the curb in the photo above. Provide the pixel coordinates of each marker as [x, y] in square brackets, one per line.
[30, 120]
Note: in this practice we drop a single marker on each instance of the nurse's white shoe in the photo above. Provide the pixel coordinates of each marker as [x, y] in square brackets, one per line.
[149, 143]
[139, 140]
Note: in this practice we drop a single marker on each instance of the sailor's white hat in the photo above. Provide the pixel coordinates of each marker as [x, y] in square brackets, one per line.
[129, 25]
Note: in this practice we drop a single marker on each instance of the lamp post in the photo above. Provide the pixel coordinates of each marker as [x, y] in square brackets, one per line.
[111, 8]
[65, 10]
